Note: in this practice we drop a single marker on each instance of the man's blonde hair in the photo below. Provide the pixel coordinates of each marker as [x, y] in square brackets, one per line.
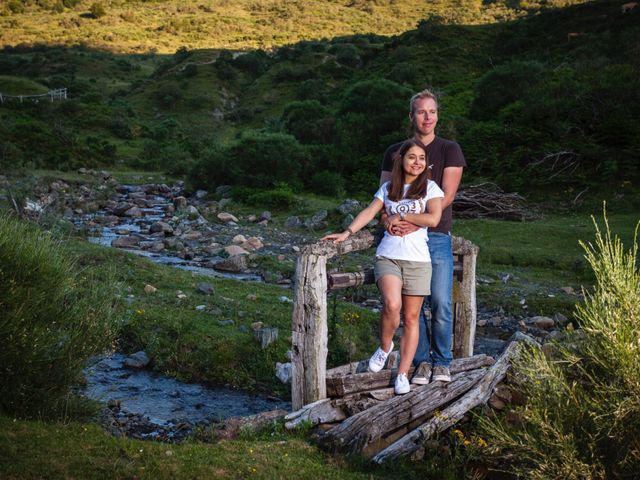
[426, 93]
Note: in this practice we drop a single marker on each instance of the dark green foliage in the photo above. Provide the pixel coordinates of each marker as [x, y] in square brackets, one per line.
[53, 317]
[328, 183]
[280, 197]
[191, 70]
[168, 94]
[309, 122]
[256, 160]
[255, 62]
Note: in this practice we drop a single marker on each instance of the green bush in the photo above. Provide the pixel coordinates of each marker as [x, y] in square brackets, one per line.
[53, 317]
[281, 197]
[328, 183]
[582, 417]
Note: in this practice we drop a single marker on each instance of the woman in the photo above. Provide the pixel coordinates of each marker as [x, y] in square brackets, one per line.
[403, 264]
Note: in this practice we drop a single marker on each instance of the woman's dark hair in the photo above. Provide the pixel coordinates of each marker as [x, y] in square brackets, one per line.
[418, 189]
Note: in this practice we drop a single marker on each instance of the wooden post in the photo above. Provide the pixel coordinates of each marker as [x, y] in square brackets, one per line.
[309, 320]
[464, 312]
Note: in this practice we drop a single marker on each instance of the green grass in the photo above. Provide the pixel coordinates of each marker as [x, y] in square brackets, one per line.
[10, 85]
[30, 449]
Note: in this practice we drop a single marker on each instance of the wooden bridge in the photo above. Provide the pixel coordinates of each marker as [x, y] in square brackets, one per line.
[358, 409]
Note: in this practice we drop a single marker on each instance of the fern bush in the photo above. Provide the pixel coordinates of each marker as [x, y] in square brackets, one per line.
[53, 317]
[582, 416]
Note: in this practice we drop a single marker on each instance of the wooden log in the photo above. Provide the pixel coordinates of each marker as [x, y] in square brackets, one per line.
[231, 427]
[309, 318]
[367, 277]
[322, 411]
[479, 394]
[340, 385]
[357, 432]
[464, 318]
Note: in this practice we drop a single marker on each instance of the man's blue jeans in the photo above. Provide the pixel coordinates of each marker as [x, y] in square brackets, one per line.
[434, 345]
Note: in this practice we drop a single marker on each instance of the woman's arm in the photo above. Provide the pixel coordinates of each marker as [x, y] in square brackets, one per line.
[361, 220]
[429, 219]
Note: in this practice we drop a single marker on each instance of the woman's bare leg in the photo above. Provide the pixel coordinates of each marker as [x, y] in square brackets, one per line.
[411, 305]
[390, 287]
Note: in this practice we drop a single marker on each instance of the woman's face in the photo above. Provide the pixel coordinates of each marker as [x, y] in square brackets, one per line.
[414, 161]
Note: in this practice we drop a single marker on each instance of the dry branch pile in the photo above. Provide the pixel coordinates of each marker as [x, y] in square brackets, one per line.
[488, 200]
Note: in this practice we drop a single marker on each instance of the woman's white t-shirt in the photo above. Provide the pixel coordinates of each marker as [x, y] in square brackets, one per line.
[412, 246]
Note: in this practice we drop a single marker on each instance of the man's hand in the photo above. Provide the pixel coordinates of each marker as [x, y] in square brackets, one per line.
[395, 226]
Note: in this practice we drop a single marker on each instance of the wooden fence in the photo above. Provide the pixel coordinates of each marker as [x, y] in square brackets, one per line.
[57, 94]
[309, 322]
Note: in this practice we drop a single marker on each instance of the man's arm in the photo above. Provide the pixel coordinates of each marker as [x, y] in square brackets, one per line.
[451, 177]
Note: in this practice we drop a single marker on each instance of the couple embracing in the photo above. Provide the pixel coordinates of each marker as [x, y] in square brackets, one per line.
[418, 183]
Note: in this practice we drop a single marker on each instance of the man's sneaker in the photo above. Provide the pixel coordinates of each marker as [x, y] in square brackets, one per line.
[402, 384]
[378, 359]
[422, 374]
[441, 374]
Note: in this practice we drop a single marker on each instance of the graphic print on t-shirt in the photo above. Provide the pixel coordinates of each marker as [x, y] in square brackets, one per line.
[406, 206]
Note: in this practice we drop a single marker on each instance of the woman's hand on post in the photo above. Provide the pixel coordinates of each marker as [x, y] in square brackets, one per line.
[337, 237]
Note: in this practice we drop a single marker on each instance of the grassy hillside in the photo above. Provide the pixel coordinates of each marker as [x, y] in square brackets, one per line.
[542, 104]
[142, 26]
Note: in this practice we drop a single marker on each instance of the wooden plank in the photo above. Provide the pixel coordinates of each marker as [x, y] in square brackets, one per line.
[479, 394]
[356, 433]
[340, 385]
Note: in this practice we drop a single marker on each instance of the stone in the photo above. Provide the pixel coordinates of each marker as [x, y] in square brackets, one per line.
[252, 218]
[349, 206]
[225, 323]
[233, 250]
[316, 220]
[150, 289]
[285, 299]
[568, 290]
[206, 288]
[238, 239]
[192, 212]
[226, 217]
[293, 222]
[137, 360]
[266, 336]
[234, 264]
[180, 203]
[158, 227]
[180, 294]
[157, 247]
[195, 235]
[256, 325]
[201, 308]
[284, 372]
[266, 215]
[126, 241]
[561, 320]
[544, 323]
[134, 212]
[201, 194]
[252, 243]
[120, 208]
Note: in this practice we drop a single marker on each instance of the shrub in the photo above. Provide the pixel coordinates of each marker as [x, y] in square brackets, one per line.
[53, 318]
[97, 10]
[582, 417]
[328, 183]
[280, 197]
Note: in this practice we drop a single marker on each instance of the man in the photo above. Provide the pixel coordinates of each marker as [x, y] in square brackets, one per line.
[446, 163]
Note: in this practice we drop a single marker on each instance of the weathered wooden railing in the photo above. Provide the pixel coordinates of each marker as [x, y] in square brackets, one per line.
[309, 323]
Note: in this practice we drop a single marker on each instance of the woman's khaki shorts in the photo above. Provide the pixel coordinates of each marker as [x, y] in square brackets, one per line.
[415, 276]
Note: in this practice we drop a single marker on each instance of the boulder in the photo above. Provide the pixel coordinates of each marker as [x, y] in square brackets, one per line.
[126, 241]
[192, 212]
[293, 222]
[235, 264]
[149, 289]
[238, 239]
[180, 202]
[252, 243]
[284, 372]
[206, 288]
[163, 227]
[227, 217]
[349, 206]
[134, 212]
[544, 323]
[138, 360]
[201, 194]
[233, 250]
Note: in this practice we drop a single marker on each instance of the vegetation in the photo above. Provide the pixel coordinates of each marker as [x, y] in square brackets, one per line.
[582, 416]
[54, 318]
[534, 109]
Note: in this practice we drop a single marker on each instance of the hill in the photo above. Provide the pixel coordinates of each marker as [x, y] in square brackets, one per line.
[544, 103]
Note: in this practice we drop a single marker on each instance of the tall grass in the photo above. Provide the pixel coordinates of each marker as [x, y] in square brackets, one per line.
[52, 318]
[582, 417]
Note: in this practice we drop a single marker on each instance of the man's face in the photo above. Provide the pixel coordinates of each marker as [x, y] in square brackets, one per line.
[425, 116]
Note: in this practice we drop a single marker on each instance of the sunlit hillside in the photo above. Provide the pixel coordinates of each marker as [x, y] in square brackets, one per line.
[164, 26]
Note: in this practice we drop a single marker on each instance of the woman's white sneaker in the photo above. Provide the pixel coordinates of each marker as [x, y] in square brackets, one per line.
[378, 359]
[402, 384]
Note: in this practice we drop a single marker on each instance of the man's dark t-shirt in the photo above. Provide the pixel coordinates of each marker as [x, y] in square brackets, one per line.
[441, 154]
